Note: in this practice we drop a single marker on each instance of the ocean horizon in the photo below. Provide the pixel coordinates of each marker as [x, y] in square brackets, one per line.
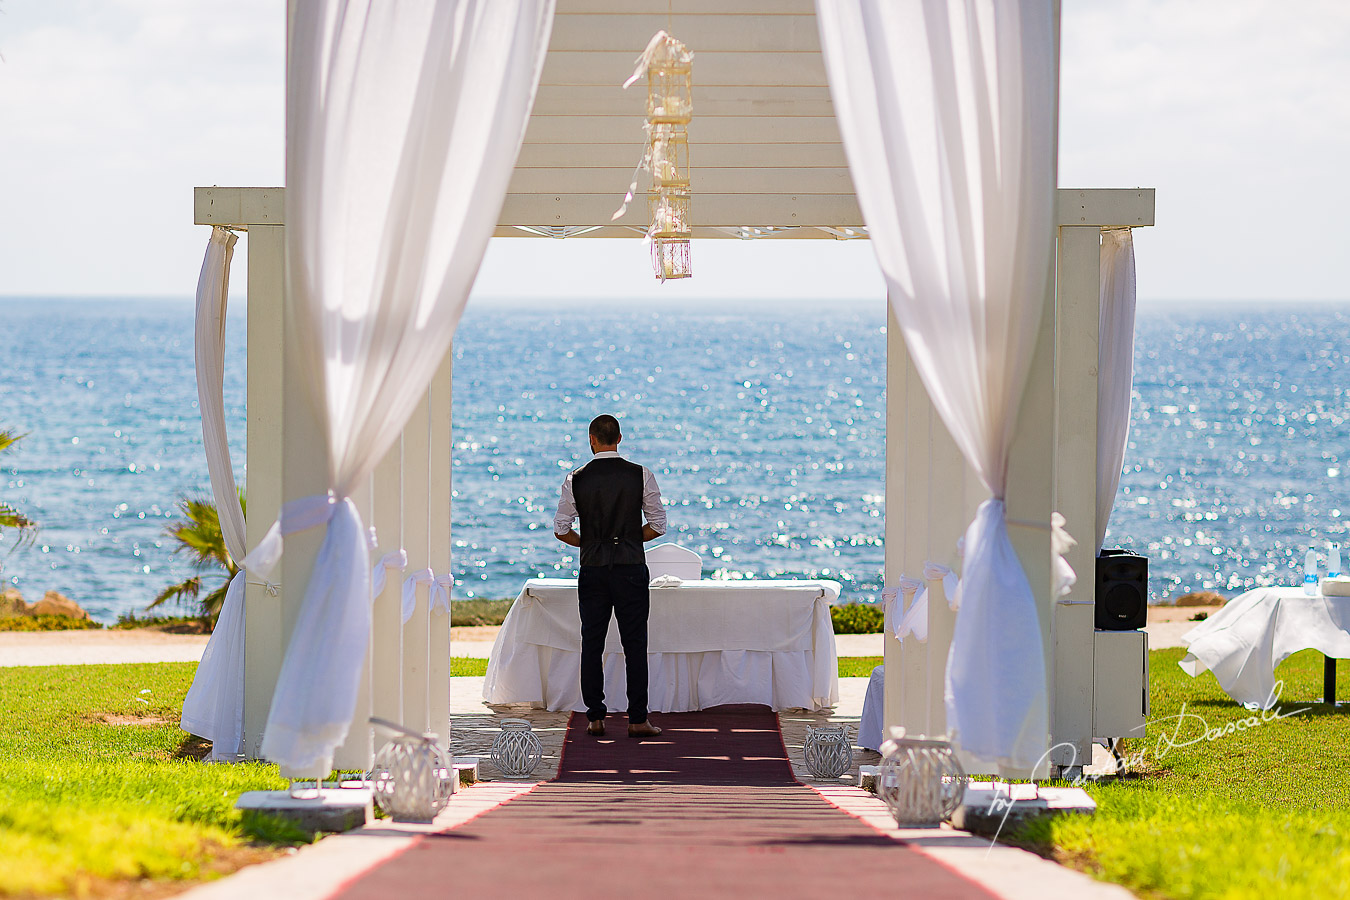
[764, 423]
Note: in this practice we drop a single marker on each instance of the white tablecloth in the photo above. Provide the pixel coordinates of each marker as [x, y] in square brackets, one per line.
[708, 643]
[1254, 632]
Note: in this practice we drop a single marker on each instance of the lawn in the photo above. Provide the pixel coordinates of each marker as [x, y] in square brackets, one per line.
[1255, 811]
[99, 787]
[849, 666]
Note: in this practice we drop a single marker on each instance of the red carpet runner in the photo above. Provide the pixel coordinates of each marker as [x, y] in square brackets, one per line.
[708, 809]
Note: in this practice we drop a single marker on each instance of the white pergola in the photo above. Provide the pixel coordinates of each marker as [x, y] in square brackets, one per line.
[767, 163]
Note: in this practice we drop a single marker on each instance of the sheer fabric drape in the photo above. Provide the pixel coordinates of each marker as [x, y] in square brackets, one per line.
[404, 122]
[214, 706]
[947, 113]
[1115, 368]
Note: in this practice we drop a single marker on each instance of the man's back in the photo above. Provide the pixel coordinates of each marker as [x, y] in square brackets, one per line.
[608, 495]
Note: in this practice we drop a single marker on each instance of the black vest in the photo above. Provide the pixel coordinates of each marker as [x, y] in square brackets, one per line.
[608, 494]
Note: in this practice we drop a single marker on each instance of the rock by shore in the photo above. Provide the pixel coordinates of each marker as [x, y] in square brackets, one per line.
[53, 603]
[1202, 598]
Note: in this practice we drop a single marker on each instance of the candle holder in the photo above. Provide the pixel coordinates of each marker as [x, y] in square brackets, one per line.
[920, 779]
[412, 777]
[516, 751]
[828, 752]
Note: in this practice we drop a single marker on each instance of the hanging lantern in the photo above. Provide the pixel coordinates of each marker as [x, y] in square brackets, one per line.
[920, 779]
[828, 751]
[668, 65]
[516, 751]
[669, 160]
[412, 778]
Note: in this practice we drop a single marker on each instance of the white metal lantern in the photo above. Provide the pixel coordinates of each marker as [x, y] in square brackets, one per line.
[829, 754]
[516, 751]
[919, 779]
[412, 777]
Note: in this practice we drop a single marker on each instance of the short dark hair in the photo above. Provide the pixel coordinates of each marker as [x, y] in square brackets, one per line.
[605, 429]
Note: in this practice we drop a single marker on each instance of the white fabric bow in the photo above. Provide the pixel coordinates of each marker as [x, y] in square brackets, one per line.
[395, 559]
[1061, 543]
[914, 590]
[440, 591]
[951, 585]
[421, 576]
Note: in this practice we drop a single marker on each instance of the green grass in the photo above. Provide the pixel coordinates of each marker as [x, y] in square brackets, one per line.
[849, 666]
[98, 787]
[1261, 812]
[857, 666]
[467, 667]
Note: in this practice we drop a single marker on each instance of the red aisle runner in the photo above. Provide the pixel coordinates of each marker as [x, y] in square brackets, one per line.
[708, 809]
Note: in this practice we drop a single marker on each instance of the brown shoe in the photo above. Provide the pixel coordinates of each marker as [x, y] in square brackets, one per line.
[642, 730]
[596, 727]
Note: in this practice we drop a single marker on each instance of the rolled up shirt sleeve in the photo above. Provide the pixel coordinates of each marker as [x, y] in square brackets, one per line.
[567, 508]
[651, 502]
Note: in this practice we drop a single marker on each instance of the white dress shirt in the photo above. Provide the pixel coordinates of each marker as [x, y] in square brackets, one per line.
[651, 500]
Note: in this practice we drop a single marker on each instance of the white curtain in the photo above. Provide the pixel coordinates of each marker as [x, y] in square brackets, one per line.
[404, 122]
[1115, 368]
[214, 707]
[948, 115]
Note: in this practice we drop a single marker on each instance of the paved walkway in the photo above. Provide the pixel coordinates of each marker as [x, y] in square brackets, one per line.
[66, 648]
[73, 648]
[708, 809]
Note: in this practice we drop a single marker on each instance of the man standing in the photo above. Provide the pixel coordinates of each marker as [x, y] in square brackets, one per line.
[611, 495]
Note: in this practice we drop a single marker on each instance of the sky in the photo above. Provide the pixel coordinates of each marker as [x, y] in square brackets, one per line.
[1236, 111]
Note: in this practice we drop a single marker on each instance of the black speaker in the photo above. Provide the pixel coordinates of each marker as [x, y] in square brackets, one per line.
[1122, 590]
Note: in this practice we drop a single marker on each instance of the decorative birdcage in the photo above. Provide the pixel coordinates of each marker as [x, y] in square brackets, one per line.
[828, 751]
[670, 258]
[670, 85]
[920, 779]
[669, 210]
[516, 751]
[668, 65]
[669, 161]
[412, 777]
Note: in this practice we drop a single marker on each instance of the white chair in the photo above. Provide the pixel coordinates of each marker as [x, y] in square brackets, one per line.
[672, 559]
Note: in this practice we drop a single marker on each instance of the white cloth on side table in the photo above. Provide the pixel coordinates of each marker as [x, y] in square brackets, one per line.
[873, 711]
[709, 643]
[1256, 631]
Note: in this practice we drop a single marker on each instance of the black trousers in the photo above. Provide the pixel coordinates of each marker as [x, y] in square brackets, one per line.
[621, 591]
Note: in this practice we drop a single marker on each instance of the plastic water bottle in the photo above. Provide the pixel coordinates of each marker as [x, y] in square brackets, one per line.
[1310, 573]
[1333, 560]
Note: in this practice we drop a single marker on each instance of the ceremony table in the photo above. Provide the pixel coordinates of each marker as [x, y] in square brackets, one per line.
[1254, 632]
[709, 643]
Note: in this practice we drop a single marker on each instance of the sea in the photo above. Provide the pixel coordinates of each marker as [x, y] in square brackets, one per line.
[764, 425]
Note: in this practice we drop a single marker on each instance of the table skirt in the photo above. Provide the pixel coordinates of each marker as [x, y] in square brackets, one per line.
[550, 678]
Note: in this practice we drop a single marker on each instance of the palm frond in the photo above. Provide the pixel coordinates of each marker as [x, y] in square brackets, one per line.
[9, 516]
[183, 592]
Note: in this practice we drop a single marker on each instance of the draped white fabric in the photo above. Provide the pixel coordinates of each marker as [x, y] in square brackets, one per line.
[214, 706]
[404, 123]
[1115, 368]
[947, 113]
